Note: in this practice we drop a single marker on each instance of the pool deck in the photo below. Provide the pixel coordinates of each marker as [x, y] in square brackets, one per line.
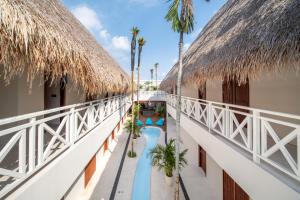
[193, 176]
[154, 119]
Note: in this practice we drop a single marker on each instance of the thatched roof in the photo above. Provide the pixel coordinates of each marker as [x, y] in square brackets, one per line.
[243, 39]
[45, 37]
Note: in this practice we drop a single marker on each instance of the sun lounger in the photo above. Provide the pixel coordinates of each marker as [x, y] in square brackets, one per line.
[160, 122]
[149, 121]
[139, 123]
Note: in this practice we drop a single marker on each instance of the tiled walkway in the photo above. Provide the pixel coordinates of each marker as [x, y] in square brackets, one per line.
[192, 175]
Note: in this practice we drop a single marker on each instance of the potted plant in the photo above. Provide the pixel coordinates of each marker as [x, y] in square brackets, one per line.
[160, 110]
[164, 158]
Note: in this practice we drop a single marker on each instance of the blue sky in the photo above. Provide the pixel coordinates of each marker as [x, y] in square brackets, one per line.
[110, 21]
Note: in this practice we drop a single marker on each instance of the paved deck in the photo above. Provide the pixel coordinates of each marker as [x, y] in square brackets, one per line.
[192, 175]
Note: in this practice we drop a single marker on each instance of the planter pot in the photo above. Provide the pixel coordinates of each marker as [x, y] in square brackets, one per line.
[169, 180]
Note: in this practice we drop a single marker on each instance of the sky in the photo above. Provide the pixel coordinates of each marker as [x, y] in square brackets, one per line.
[110, 22]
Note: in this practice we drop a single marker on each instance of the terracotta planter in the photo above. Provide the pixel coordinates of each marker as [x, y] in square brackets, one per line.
[169, 180]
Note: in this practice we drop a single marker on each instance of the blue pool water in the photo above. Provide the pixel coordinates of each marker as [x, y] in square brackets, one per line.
[142, 178]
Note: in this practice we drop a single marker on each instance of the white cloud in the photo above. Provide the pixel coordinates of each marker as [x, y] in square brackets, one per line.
[104, 34]
[88, 17]
[117, 46]
[121, 42]
[186, 46]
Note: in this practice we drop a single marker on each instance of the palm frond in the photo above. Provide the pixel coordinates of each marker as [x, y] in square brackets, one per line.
[141, 41]
[135, 31]
[164, 157]
[172, 15]
[182, 20]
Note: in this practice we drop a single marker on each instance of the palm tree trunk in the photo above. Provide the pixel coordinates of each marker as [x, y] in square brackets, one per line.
[132, 112]
[178, 112]
[156, 77]
[138, 92]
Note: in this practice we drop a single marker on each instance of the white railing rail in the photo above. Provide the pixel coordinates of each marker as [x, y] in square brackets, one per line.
[28, 142]
[271, 137]
[151, 95]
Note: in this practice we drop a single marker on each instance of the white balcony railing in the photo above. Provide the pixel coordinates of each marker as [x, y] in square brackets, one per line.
[270, 137]
[28, 142]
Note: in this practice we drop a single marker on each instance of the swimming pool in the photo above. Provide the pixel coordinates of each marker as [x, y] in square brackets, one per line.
[142, 179]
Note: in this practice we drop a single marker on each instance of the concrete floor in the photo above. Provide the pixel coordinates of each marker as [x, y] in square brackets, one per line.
[193, 176]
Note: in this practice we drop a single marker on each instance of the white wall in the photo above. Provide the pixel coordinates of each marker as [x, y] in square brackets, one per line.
[257, 182]
[271, 91]
[78, 190]
[214, 90]
[30, 99]
[18, 98]
[189, 91]
[74, 93]
[214, 174]
[75, 192]
[276, 92]
[8, 100]
[57, 177]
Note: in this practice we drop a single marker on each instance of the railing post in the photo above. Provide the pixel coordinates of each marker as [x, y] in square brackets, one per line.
[40, 144]
[102, 110]
[188, 108]
[22, 152]
[298, 152]
[197, 110]
[209, 116]
[90, 116]
[256, 136]
[72, 126]
[227, 121]
[31, 143]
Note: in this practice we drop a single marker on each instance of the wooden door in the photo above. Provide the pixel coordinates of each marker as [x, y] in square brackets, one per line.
[231, 190]
[228, 187]
[202, 158]
[239, 193]
[228, 92]
[235, 93]
[89, 170]
[238, 94]
[202, 92]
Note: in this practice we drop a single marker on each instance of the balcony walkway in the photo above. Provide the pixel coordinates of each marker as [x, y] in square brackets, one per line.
[193, 176]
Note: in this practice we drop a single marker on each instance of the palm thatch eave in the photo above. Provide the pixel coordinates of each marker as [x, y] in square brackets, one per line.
[244, 39]
[46, 38]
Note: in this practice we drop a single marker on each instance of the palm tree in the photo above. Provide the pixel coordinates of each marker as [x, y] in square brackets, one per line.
[141, 42]
[136, 130]
[135, 31]
[164, 157]
[181, 17]
[155, 67]
[151, 71]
